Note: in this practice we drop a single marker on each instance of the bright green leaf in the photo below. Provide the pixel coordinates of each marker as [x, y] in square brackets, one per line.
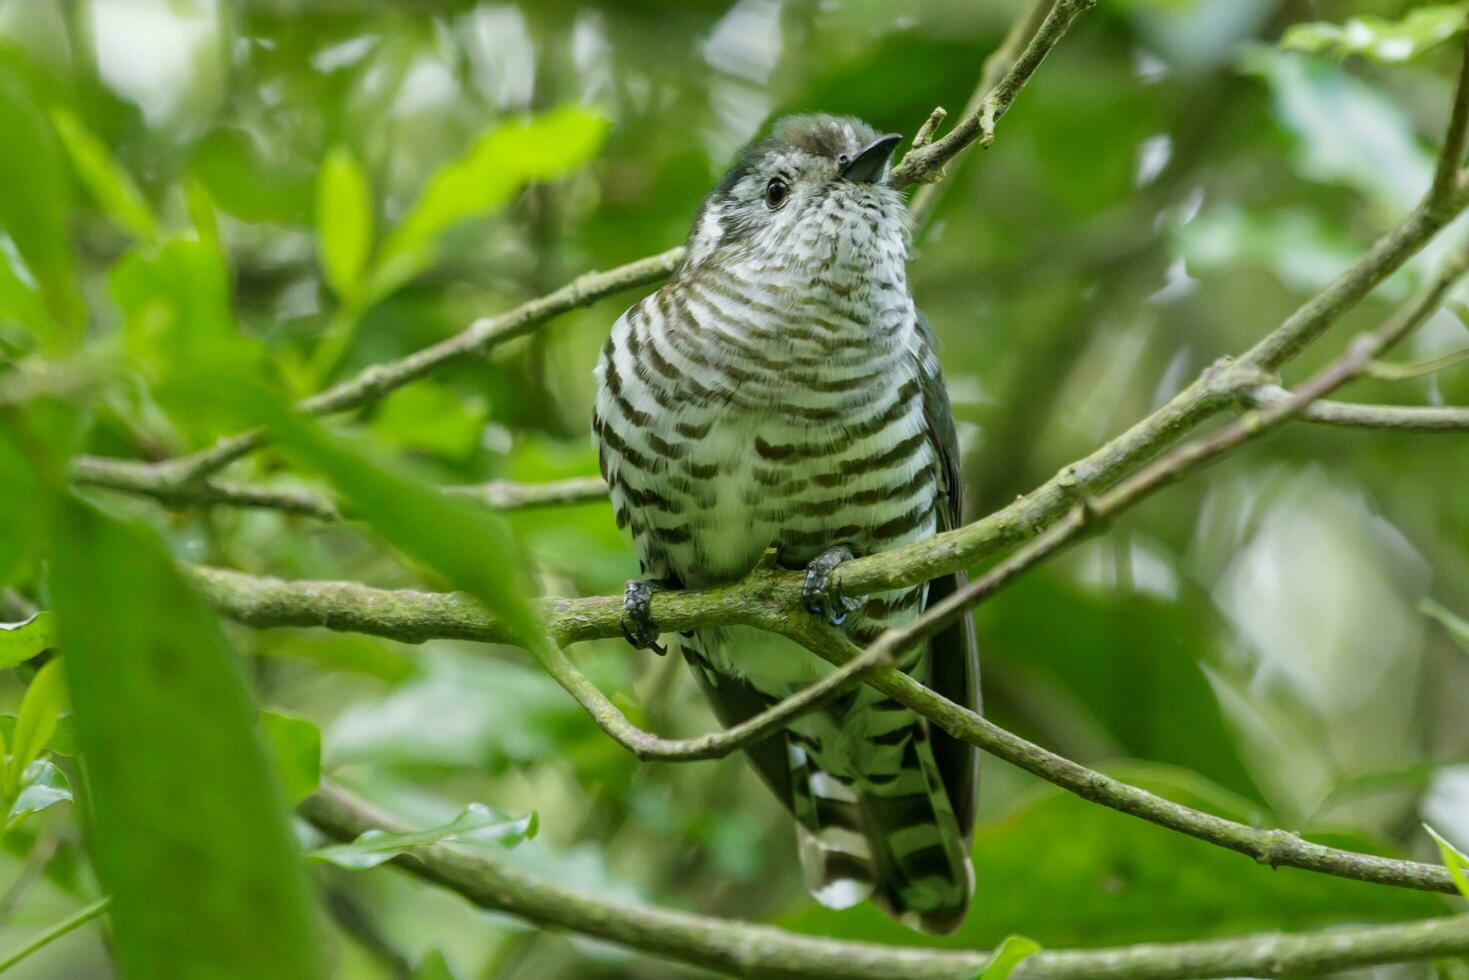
[42, 785]
[110, 186]
[476, 824]
[432, 418]
[203, 870]
[343, 222]
[35, 204]
[433, 966]
[542, 147]
[179, 329]
[20, 297]
[201, 212]
[42, 705]
[1454, 859]
[465, 542]
[249, 184]
[61, 742]
[1008, 956]
[1458, 627]
[21, 641]
[1381, 40]
[295, 744]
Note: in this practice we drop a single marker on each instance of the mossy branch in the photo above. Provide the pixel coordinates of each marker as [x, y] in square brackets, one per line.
[749, 950]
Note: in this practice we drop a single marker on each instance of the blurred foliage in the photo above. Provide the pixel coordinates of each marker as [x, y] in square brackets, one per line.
[211, 208]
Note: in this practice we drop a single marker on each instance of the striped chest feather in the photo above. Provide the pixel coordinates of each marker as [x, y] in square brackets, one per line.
[731, 420]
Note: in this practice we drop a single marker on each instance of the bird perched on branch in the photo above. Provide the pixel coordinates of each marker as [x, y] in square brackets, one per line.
[781, 391]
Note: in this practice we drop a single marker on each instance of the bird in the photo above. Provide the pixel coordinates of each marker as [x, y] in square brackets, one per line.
[781, 391]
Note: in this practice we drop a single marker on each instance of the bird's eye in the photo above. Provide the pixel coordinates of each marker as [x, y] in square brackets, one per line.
[775, 193]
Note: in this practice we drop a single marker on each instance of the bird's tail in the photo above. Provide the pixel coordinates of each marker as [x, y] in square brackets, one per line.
[890, 834]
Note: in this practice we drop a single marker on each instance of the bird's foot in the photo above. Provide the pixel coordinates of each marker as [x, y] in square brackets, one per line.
[822, 592]
[637, 616]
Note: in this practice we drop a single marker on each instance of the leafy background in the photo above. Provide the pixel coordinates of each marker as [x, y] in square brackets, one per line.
[210, 207]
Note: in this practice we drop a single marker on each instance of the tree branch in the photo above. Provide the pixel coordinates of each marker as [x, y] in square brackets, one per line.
[924, 164]
[1001, 60]
[762, 951]
[414, 617]
[144, 480]
[1400, 418]
[1388, 371]
[1445, 184]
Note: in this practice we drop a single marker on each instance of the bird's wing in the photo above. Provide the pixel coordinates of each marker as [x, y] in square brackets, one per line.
[953, 655]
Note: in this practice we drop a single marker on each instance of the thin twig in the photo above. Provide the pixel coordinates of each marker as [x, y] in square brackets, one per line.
[924, 164]
[1000, 61]
[1451, 157]
[748, 950]
[72, 922]
[1388, 371]
[139, 478]
[1399, 418]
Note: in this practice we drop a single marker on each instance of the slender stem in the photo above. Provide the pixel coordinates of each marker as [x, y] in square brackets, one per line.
[925, 164]
[1400, 418]
[1387, 371]
[1451, 156]
[749, 950]
[1000, 61]
[140, 478]
[74, 921]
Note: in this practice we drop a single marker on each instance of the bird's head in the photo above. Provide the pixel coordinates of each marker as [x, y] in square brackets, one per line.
[815, 189]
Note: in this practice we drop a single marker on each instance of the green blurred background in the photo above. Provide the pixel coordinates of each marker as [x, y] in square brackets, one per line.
[1171, 184]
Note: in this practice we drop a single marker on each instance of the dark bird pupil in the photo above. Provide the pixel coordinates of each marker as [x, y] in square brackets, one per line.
[775, 192]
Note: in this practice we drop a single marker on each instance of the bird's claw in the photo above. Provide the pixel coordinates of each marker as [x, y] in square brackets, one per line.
[822, 591]
[637, 617]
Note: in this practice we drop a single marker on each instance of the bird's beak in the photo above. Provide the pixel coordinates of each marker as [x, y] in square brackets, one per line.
[870, 164]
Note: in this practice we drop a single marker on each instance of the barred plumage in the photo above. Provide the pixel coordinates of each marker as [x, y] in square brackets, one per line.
[782, 391]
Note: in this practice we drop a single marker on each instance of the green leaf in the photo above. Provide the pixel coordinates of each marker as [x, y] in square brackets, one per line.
[1387, 41]
[476, 824]
[247, 183]
[179, 329]
[42, 785]
[1008, 956]
[432, 418]
[465, 542]
[1458, 628]
[35, 205]
[500, 161]
[343, 222]
[110, 186]
[295, 744]
[433, 966]
[190, 836]
[61, 742]
[20, 297]
[1454, 859]
[21, 641]
[42, 705]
